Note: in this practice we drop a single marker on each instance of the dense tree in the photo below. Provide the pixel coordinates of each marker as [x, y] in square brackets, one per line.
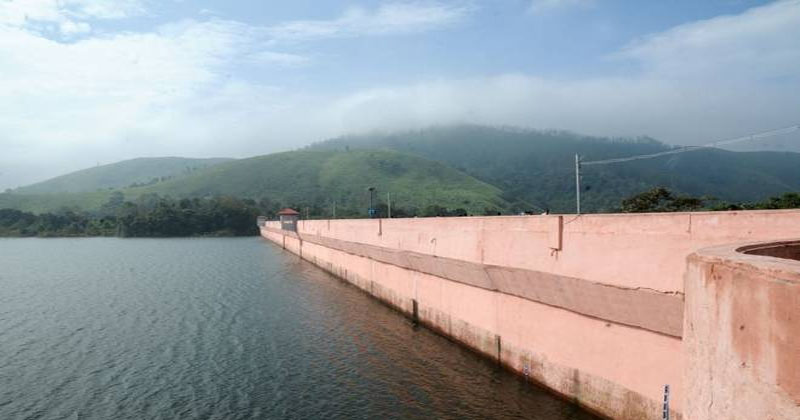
[660, 199]
[790, 200]
[786, 201]
[439, 211]
[149, 216]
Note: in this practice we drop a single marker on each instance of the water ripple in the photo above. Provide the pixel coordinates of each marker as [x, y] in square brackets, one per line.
[223, 329]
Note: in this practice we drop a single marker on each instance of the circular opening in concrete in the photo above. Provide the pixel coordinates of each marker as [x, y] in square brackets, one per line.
[786, 249]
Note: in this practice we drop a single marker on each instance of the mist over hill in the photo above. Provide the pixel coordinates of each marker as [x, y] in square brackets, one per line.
[120, 175]
[538, 167]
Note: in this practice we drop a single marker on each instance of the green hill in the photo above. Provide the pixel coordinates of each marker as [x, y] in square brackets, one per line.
[120, 175]
[41, 203]
[537, 168]
[306, 179]
[317, 178]
[471, 167]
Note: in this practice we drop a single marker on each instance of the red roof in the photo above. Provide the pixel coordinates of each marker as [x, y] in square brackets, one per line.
[288, 212]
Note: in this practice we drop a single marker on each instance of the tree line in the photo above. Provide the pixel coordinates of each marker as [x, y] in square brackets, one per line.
[660, 199]
[152, 215]
[149, 215]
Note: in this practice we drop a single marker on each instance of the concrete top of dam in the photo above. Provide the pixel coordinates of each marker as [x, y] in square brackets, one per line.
[624, 250]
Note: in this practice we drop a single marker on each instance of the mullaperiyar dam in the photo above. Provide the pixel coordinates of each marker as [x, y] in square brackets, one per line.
[647, 316]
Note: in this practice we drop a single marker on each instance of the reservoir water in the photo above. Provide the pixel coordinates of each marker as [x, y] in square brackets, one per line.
[224, 329]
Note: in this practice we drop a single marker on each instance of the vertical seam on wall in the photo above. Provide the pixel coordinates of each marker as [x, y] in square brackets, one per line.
[415, 274]
[481, 238]
[497, 324]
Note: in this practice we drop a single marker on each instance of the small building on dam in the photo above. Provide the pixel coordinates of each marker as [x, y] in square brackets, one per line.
[625, 314]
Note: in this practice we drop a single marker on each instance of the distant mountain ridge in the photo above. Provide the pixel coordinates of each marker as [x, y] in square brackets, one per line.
[120, 175]
[476, 168]
[537, 168]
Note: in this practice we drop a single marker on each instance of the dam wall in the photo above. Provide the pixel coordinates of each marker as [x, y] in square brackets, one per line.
[590, 306]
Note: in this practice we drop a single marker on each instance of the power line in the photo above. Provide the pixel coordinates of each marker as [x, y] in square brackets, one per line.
[754, 136]
[760, 135]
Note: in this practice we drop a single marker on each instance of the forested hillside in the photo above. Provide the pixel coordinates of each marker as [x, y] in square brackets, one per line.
[538, 167]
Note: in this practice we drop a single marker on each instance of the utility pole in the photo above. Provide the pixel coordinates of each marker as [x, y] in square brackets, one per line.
[389, 204]
[578, 183]
[334, 209]
[371, 201]
[306, 213]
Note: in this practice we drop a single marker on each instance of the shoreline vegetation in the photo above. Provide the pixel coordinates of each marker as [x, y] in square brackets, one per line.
[155, 216]
[148, 216]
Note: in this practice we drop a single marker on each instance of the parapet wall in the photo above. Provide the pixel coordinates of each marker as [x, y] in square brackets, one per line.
[591, 306]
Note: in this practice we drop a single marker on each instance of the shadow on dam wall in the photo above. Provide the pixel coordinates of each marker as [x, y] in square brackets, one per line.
[605, 310]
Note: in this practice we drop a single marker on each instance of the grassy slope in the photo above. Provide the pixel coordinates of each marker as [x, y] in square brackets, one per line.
[538, 167]
[305, 178]
[119, 175]
[41, 203]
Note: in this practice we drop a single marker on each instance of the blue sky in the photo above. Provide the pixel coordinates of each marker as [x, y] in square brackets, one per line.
[88, 81]
[566, 39]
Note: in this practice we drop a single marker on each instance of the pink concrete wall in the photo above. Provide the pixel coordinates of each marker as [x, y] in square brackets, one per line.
[629, 250]
[742, 335]
[609, 368]
[616, 369]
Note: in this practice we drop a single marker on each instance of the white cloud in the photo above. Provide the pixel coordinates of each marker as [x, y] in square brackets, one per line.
[545, 6]
[698, 82]
[683, 113]
[174, 91]
[284, 59]
[391, 18]
[62, 99]
[761, 42]
[69, 27]
[68, 16]
[18, 12]
[104, 9]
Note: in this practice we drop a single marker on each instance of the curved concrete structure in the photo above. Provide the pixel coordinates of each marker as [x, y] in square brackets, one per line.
[590, 306]
[742, 332]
